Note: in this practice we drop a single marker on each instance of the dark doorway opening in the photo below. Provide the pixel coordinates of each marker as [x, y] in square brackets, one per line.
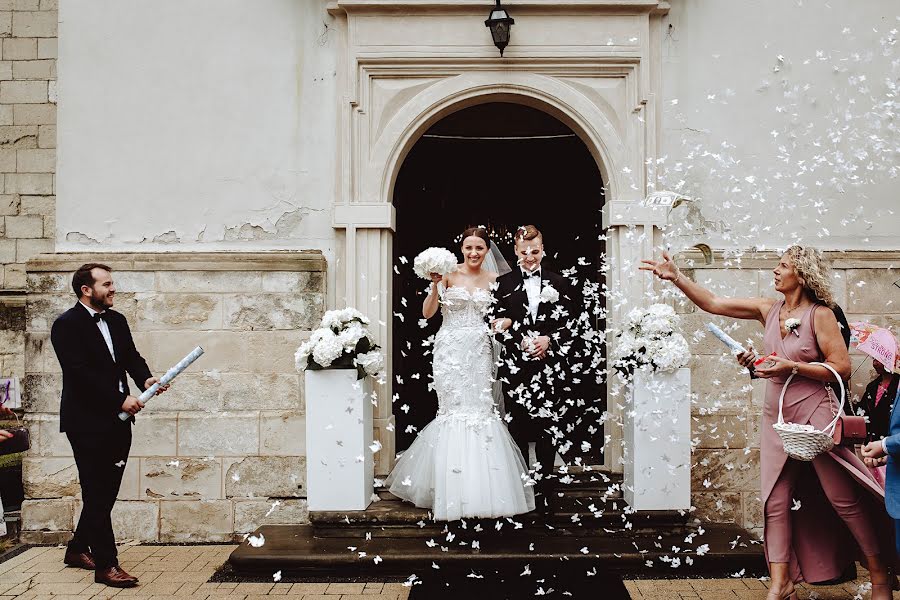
[501, 165]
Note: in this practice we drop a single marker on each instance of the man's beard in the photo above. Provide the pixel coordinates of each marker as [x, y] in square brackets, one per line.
[99, 304]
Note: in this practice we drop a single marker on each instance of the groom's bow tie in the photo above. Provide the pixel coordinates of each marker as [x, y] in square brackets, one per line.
[98, 316]
[535, 273]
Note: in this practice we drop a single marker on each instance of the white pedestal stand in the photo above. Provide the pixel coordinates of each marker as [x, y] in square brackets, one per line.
[658, 441]
[340, 466]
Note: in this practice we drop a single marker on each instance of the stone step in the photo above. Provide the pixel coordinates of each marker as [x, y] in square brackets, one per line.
[296, 550]
[590, 500]
[394, 518]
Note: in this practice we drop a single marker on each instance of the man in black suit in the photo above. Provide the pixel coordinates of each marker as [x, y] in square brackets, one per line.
[534, 308]
[95, 350]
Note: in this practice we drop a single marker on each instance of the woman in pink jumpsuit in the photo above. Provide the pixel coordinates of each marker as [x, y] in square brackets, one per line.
[819, 515]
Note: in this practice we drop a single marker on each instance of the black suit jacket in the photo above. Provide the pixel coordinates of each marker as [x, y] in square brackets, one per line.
[91, 400]
[552, 320]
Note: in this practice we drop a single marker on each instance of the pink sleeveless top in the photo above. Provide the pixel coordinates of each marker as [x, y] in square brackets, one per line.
[799, 345]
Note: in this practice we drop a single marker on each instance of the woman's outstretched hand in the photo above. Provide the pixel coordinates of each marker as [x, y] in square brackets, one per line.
[664, 269]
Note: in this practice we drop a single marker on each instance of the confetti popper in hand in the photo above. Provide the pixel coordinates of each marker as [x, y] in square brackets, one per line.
[725, 338]
[171, 374]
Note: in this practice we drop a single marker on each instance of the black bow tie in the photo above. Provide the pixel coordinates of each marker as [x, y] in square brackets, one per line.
[98, 316]
[535, 273]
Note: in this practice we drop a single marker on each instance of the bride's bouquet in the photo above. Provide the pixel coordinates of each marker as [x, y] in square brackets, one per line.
[434, 260]
[650, 340]
[342, 340]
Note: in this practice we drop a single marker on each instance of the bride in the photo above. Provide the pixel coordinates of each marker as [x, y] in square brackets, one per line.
[464, 463]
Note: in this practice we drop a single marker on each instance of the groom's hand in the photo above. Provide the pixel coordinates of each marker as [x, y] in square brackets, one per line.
[539, 347]
[151, 381]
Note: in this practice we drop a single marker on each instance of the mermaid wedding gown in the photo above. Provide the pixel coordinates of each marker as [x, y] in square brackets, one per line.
[464, 463]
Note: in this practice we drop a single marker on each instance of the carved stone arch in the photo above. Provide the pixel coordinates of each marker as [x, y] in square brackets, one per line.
[586, 118]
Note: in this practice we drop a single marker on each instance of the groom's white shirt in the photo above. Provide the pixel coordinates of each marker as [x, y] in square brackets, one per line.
[533, 289]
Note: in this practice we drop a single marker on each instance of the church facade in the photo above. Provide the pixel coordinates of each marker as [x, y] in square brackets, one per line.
[237, 165]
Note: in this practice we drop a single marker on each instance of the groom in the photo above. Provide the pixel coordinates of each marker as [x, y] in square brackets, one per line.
[533, 309]
[95, 350]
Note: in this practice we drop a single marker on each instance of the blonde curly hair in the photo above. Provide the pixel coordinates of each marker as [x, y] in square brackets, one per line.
[813, 271]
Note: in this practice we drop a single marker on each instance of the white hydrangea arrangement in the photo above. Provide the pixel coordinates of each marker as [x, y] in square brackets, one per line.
[650, 340]
[434, 260]
[342, 340]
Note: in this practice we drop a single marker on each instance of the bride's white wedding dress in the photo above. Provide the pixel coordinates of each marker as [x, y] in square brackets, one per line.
[464, 463]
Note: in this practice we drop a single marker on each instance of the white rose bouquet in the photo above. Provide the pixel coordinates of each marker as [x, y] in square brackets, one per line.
[342, 340]
[434, 260]
[650, 340]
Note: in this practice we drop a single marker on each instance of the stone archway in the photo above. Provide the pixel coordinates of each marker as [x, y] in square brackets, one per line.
[499, 164]
[394, 86]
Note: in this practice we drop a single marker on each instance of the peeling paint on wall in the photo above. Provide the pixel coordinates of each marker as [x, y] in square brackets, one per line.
[169, 237]
[284, 227]
[79, 238]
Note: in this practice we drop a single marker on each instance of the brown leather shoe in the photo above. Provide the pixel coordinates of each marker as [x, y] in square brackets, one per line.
[82, 560]
[115, 577]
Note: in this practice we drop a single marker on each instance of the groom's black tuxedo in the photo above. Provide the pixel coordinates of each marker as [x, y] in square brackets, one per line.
[91, 401]
[533, 389]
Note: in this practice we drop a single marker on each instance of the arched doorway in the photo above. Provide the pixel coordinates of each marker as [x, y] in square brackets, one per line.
[501, 165]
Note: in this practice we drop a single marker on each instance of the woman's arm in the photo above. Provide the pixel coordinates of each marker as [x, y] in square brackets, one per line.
[432, 301]
[754, 309]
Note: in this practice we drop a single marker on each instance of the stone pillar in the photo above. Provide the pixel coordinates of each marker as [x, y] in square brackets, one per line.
[365, 282]
[629, 228]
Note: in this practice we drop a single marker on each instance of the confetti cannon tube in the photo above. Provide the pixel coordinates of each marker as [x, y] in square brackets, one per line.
[725, 338]
[171, 374]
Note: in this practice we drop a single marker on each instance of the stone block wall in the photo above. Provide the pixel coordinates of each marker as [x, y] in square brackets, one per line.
[727, 407]
[28, 30]
[221, 452]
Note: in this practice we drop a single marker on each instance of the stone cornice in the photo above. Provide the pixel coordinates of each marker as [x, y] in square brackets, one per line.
[765, 259]
[303, 260]
[395, 6]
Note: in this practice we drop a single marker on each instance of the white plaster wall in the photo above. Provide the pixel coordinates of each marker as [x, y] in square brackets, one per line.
[720, 61]
[203, 124]
[212, 123]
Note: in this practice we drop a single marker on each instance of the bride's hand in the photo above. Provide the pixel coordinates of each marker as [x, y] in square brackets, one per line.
[436, 278]
[664, 269]
[498, 325]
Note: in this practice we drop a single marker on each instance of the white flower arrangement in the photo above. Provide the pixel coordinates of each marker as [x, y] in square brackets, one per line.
[650, 340]
[341, 341]
[549, 294]
[372, 362]
[434, 260]
[792, 325]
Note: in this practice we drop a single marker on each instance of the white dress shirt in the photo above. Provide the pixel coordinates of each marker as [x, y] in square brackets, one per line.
[533, 289]
[104, 331]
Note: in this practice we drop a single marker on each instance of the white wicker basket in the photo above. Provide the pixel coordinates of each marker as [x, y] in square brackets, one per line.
[803, 442]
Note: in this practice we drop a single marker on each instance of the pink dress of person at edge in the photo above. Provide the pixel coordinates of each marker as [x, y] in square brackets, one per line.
[841, 514]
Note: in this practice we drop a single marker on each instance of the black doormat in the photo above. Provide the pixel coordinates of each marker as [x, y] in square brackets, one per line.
[454, 585]
[515, 586]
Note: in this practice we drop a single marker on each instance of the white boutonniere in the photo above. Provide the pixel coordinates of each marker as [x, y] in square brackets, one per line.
[792, 325]
[549, 294]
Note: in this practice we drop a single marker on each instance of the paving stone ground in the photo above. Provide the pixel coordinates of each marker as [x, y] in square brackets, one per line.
[183, 572]
[746, 589]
